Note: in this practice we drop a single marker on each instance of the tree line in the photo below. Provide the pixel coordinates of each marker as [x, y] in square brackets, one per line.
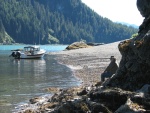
[56, 21]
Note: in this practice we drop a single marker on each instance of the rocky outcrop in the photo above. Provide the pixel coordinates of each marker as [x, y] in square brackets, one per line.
[144, 7]
[77, 45]
[134, 69]
[93, 100]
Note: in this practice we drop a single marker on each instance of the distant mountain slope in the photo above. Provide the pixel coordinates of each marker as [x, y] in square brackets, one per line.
[58, 21]
[132, 25]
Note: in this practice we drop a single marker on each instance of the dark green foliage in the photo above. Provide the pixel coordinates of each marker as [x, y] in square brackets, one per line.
[4, 37]
[2, 31]
[58, 21]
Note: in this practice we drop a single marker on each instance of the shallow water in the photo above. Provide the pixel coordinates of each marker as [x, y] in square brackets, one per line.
[23, 79]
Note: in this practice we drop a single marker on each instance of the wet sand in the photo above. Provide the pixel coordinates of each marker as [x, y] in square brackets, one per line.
[87, 64]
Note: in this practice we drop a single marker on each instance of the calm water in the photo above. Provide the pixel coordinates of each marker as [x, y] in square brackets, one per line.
[23, 79]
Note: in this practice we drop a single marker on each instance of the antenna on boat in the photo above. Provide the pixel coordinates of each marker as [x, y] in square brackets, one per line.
[39, 32]
[39, 39]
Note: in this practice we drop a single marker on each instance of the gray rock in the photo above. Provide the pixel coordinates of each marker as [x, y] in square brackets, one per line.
[144, 7]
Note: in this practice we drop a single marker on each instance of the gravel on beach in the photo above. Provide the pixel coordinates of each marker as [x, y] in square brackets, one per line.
[87, 64]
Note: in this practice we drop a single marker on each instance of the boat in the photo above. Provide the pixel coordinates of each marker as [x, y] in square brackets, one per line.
[29, 52]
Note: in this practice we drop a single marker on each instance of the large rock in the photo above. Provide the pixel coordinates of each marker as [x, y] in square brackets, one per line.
[138, 102]
[77, 45]
[144, 7]
[134, 68]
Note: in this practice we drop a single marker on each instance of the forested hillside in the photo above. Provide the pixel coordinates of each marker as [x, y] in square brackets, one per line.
[56, 21]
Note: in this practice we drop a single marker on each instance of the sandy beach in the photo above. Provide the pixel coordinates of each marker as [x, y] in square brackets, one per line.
[87, 64]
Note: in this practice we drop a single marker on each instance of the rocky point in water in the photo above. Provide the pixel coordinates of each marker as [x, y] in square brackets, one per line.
[77, 45]
[128, 91]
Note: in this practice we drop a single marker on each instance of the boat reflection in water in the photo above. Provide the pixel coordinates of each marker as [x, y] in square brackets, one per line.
[30, 67]
[23, 79]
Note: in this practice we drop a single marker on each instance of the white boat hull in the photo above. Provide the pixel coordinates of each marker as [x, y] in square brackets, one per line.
[24, 56]
[29, 52]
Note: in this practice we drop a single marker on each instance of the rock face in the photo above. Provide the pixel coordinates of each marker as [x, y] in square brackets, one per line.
[128, 91]
[144, 7]
[134, 69]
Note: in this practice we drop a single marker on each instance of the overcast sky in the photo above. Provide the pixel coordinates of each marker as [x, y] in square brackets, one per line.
[117, 10]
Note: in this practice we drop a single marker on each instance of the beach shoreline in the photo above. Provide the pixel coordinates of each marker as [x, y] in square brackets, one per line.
[87, 64]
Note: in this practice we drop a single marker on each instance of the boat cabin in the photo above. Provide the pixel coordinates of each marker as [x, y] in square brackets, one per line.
[31, 49]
